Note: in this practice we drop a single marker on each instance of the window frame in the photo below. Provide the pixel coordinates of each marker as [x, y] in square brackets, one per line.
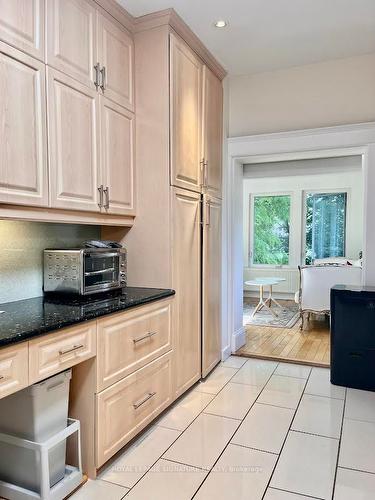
[306, 192]
[251, 229]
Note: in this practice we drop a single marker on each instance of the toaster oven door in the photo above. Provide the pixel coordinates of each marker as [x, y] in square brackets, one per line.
[101, 271]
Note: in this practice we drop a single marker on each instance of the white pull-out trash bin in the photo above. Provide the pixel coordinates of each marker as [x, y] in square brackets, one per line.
[36, 413]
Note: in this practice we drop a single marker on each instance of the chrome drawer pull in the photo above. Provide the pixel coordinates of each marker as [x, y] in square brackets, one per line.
[144, 337]
[71, 349]
[144, 400]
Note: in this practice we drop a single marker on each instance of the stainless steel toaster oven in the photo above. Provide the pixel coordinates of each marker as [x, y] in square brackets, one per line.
[84, 271]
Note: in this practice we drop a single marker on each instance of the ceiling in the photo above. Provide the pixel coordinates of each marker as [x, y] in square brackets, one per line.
[265, 35]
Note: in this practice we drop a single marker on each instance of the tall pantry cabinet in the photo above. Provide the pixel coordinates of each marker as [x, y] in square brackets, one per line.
[176, 240]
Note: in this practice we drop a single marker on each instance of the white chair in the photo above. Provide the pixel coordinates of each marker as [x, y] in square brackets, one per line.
[316, 283]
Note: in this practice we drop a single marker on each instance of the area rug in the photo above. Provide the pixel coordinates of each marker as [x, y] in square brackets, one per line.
[287, 317]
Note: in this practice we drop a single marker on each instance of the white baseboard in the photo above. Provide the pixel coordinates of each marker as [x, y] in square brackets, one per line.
[226, 352]
[238, 339]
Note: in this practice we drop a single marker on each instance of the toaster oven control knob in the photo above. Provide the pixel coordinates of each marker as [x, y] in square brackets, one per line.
[123, 277]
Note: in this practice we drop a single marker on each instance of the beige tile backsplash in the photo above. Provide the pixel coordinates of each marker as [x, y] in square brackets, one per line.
[21, 253]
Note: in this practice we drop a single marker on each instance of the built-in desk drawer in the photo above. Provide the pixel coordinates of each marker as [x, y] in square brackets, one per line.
[129, 340]
[14, 368]
[128, 406]
[61, 350]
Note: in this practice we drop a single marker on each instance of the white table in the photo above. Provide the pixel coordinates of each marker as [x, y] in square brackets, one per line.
[267, 303]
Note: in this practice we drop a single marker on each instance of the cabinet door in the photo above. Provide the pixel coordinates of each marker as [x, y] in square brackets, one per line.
[72, 113]
[117, 157]
[116, 56]
[212, 132]
[23, 143]
[71, 38]
[186, 115]
[211, 285]
[22, 25]
[186, 280]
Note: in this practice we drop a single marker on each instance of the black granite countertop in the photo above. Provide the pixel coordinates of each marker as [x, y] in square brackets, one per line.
[28, 318]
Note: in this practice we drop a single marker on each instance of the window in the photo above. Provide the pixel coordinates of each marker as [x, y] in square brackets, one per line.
[271, 218]
[325, 225]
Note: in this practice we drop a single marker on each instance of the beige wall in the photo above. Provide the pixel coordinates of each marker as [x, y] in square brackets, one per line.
[316, 95]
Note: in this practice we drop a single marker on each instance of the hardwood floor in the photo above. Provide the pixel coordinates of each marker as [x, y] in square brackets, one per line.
[310, 346]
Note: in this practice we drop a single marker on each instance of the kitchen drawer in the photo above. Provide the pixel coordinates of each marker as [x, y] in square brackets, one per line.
[128, 406]
[129, 340]
[14, 368]
[60, 350]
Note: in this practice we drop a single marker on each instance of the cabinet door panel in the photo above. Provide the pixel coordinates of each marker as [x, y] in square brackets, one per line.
[22, 25]
[23, 144]
[211, 285]
[116, 55]
[73, 110]
[186, 116]
[71, 38]
[186, 281]
[212, 133]
[117, 133]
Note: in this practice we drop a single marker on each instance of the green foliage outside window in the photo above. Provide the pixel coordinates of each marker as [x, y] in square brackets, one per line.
[271, 229]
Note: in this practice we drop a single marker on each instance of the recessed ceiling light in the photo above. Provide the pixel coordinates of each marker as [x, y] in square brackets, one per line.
[220, 24]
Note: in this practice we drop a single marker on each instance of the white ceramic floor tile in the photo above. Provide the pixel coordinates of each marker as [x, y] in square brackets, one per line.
[186, 410]
[358, 445]
[282, 391]
[354, 485]
[201, 444]
[168, 480]
[138, 458]
[360, 405]
[307, 465]
[216, 380]
[233, 401]
[234, 362]
[319, 384]
[272, 494]
[255, 372]
[240, 473]
[97, 490]
[264, 428]
[319, 415]
[293, 370]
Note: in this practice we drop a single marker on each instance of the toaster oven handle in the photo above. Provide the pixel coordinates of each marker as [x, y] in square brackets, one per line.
[101, 271]
[104, 254]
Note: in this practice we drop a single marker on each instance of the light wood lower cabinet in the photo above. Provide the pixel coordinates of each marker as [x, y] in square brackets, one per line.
[23, 143]
[211, 284]
[14, 368]
[130, 340]
[128, 406]
[186, 278]
[61, 350]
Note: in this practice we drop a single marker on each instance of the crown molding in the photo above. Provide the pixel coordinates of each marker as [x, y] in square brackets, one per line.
[170, 18]
[118, 13]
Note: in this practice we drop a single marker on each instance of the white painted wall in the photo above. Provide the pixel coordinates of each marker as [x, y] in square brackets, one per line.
[348, 178]
[324, 94]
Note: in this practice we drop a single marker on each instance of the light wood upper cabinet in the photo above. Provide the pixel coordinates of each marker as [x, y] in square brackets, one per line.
[72, 38]
[186, 280]
[22, 25]
[117, 157]
[186, 115]
[211, 284]
[212, 132]
[73, 136]
[23, 143]
[116, 57]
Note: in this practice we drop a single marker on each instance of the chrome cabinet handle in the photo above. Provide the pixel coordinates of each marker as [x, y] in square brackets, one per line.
[97, 75]
[106, 192]
[71, 349]
[144, 337]
[208, 217]
[103, 79]
[143, 400]
[204, 165]
[100, 189]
